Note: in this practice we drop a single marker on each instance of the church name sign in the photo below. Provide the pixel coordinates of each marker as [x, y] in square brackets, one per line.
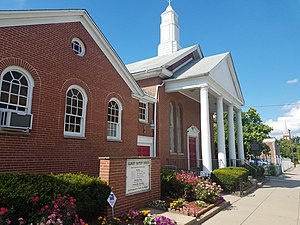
[138, 174]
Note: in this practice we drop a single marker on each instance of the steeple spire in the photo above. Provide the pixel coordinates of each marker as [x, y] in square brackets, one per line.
[169, 32]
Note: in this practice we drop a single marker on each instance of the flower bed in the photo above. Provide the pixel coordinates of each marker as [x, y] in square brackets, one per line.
[135, 217]
[193, 195]
[195, 209]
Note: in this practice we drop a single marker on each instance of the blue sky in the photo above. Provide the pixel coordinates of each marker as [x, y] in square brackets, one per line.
[263, 37]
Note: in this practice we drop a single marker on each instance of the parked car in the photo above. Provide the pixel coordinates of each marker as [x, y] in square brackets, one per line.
[259, 162]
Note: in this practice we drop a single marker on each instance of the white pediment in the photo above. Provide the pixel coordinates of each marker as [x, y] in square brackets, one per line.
[225, 76]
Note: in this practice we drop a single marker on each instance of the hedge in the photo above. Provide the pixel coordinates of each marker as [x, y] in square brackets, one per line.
[16, 191]
[229, 177]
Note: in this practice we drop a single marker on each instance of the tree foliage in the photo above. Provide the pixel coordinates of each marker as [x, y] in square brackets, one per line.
[254, 130]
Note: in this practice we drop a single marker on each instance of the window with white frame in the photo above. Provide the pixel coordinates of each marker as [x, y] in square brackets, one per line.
[16, 90]
[179, 128]
[171, 114]
[76, 100]
[78, 47]
[143, 112]
[114, 120]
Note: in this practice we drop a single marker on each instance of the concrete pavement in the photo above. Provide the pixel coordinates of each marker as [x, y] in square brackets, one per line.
[276, 203]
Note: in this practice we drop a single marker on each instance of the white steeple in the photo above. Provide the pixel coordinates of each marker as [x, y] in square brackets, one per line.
[169, 32]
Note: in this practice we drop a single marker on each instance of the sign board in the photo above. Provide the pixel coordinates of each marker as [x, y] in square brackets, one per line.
[138, 176]
[255, 147]
[112, 199]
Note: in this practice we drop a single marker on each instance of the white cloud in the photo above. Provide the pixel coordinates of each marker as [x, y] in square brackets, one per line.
[291, 118]
[293, 81]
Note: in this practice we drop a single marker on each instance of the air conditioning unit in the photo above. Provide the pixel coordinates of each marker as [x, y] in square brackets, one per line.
[15, 120]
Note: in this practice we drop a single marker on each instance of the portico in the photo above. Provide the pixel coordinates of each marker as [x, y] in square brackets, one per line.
[217, 91]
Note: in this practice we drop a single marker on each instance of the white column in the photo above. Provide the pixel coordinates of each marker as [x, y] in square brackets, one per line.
[221, 133]
[205, 130]
[240, 136]
[231, 136]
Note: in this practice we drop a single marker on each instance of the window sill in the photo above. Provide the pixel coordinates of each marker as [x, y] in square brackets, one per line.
[143, 121]
[74, 137]
[180, 153]
[15, 132]
[114, 140]
[173, 153]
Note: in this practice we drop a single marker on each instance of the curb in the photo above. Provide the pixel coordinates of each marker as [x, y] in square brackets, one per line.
[211, 212]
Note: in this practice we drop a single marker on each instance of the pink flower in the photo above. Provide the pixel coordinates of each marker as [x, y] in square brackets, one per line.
[46, 207]
[35, 199]
[68, 214]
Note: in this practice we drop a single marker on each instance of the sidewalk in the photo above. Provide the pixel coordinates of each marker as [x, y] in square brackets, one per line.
[276, 203]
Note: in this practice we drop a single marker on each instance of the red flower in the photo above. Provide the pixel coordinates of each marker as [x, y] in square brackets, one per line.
[35, 199]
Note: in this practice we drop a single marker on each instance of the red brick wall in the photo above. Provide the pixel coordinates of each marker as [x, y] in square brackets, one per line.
[113, 170]
[191, 116]
[45, 51]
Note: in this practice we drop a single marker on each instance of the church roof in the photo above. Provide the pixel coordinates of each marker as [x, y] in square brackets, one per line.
[160, 61]
[199, 66]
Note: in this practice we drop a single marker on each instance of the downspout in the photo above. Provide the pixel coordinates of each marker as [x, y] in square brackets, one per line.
[155, 119]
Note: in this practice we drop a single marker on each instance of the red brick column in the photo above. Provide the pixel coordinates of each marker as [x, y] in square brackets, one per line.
[113, 171]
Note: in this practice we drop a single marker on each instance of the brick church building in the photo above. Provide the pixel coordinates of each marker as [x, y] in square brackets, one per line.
[67, 99]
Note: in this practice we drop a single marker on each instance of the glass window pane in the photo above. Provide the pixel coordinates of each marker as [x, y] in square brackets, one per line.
[5, 86]
[23, 81]
[16, 75]
[68, 109]
[22, 101]
[72, 119]
[14, 99]
[23, 91]
[15, 88]
[4, 97]
[7, 77]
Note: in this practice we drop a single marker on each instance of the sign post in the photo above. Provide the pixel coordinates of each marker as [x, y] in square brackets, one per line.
[112, 200]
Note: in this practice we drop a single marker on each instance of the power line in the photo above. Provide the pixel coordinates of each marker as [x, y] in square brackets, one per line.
[264, 106]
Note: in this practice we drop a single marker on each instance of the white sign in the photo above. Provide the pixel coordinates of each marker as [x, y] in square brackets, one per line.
[138, 174]
[112, 199]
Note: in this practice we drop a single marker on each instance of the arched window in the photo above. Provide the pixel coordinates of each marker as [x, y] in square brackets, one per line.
[171, 111]
[16, 90]
[114, 115]
[76, 101]
[179, 128]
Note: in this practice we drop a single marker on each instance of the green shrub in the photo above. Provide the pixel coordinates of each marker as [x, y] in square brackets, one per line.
[229, 177]
[167, 182]
[16, 191]
[272, 170]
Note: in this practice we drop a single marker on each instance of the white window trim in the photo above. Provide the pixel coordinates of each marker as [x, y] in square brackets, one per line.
[85, 99]
[82, 45]
[119, 131]
[146, 141]
[179, 129]
[30, 84]
[172, 138]
[146, 115]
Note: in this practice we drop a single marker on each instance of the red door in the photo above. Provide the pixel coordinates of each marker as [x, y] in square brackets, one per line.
[192, 148]
[143, 150]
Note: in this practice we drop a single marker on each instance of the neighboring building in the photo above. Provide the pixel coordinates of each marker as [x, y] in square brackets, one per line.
[66, 98]
[274, 150]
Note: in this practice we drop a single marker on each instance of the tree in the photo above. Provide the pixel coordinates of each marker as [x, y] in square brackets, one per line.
[254, 130]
